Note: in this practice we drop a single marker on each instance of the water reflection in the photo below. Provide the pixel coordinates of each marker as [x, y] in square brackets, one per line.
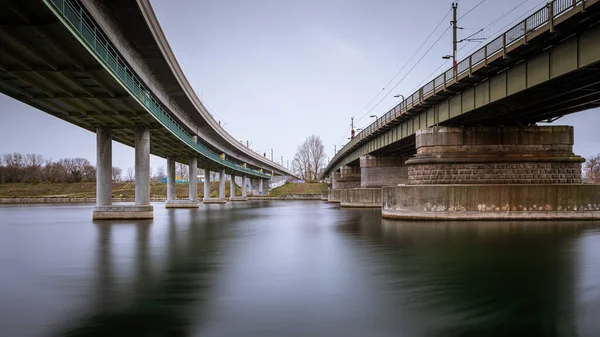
[293, 268]
[481, 279]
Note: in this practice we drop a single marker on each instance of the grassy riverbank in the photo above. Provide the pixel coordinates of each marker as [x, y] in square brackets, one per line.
[298, 189]
[88, 190]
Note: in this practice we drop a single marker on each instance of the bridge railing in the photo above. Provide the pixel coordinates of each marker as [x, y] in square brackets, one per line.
[515, 34]
[85, 28]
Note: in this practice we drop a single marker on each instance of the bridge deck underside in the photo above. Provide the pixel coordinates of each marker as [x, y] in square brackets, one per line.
[43, 65]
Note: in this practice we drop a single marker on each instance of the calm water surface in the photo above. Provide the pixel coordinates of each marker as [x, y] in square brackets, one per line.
[292, 269]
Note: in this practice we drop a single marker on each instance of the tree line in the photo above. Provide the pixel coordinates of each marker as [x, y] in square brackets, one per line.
[33, 168]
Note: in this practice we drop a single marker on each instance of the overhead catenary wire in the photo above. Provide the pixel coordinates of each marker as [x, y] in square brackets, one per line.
[470, 10]
[406, 74]
[406, 63]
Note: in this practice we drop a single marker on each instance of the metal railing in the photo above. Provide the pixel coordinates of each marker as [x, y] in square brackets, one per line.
[85, 28]
[518, 32]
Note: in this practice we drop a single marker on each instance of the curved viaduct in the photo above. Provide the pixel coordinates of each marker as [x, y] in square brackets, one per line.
[106, 66]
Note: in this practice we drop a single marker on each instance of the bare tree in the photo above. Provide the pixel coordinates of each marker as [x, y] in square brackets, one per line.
[317, 155]
[130, 175]
[159, 174]
[309, 158]
[181, 170]
[116, 174]
[302, 162]
[591, 169]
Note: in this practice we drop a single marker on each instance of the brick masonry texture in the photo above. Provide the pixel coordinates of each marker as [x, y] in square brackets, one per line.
[495, 173]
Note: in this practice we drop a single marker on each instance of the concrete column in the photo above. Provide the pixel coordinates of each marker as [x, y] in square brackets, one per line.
[232, 186]
[193, 177]
[206, 183]
[250, 186]
[222, 184]
[103, 166]
[244, 186]
[171, 194]
[382, 171]
[260, 186]
[142, 166]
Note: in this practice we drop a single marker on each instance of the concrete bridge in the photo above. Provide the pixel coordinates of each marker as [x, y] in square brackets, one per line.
[467, 144]
[107, 67]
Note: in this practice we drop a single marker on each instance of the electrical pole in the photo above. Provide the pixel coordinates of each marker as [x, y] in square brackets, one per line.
[334, 149]
[351, 127]
[454, 37]
[271, 154]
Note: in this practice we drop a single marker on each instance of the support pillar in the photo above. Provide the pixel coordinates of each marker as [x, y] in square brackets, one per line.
[103, 166]
[206, 183]
[260, 186]
[142, 209]
[376, 172]
[493, 173]
[171, 192]
[221, 199]
[193, 178]
[231, 186]
[244, 181]
[142, 166]
[192, 200]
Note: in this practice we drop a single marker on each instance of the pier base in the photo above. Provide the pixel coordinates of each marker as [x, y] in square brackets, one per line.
[361, 198]
[238, 199]
[122, 212]
[492, 202]
[182, 204]
[214, 201]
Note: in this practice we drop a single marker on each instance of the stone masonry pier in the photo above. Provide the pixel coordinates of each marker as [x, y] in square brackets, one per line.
[493, 173]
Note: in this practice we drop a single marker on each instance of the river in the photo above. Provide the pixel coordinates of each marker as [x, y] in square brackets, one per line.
[292, 268]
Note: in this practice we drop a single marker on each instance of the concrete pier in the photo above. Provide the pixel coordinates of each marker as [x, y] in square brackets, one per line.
[260, 186]
[334, 196]
[103, 167]
[493, 173]
[171, 192]
[361, 198]
[232, 186]
[243, 197]
[382, 171]
[104, 209]
[193, 178]
[349, 177]
[221, 199]
[244, 182]
[142, 166]
[192, 200]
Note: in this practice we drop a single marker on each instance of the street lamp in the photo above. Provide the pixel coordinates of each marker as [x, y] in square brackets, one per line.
[402, 101]
[375, 116]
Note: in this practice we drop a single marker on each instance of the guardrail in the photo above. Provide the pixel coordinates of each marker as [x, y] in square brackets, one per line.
[73, 14]
[520, 31]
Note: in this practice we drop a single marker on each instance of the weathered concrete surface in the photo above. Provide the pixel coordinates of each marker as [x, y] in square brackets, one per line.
[290, 197]
[324, 195]
[492, 202]
[334, 180]
[334, 196]
[171, 193]
[122, 212]
[349, 177]
[193, 172]
[238, 199]
[142, 166]
[214, 200]
[361, 197]
[382, 171]
[103, 166]
[495, 155]
[182, 204]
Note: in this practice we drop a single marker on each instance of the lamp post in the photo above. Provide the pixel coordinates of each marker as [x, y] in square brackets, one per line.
[376, 120]
[402, 101]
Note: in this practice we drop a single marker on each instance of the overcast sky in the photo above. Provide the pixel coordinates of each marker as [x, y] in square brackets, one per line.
[276, 71]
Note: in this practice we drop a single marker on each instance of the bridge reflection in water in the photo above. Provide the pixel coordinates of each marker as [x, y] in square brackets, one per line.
[293, 268]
